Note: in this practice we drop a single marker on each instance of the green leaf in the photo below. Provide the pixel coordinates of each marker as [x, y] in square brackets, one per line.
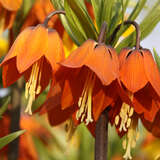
[4, 107]
[79, 20]
[9, 138]
[59, 5]
[137, 9]
[115, 19]
[157, 58]
[146, 27]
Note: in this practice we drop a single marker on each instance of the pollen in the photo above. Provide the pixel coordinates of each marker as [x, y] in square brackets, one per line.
[33, 86]
[85, 101]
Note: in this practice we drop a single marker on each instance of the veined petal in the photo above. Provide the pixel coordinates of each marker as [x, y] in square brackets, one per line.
[11, 5]
[132, 72]
[123, 54]
[78, 57]
[10, 73]
[151, 70]
[36, 44]
[55, 52]
[17, 45]
[104, 62]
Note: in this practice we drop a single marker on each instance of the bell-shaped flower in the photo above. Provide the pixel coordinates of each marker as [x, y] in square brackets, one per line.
[34, 54]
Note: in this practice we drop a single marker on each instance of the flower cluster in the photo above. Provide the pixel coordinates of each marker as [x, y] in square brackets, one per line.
[90, 80]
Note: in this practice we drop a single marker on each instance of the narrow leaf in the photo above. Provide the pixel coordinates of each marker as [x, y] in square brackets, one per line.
[9, 138]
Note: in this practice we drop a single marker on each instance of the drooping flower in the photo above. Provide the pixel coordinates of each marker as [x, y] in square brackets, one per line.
[140, 77]
[34, 54]
[88, 82]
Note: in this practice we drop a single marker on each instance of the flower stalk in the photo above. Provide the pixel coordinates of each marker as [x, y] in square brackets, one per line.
[138, 33]
[101, 132]
[51, 15]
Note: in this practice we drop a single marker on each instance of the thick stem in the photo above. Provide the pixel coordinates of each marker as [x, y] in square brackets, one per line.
[138, 33]
[13, 150]
[101, 140]
[102, 35]
[51, 15]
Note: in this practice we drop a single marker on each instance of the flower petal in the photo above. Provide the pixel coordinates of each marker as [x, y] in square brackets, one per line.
[78, 57]
[17, 45]
[154, 127]
[55, 52]
[123, 54]
[145, 101]
[151, 70]
[104, 62]
[36, 44]
[73, 86]
[10, 73]
[103, 98]
[132, 72]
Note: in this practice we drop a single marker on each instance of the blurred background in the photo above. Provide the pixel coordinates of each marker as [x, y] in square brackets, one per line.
[44, 142]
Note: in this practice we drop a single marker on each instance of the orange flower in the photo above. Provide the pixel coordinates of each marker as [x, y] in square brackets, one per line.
[140, 77]
[34, 54]
[8, 10]
[90, 83]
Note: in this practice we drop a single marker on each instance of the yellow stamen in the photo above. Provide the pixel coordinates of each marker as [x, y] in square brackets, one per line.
[85, 101]
[130, 141]
[124, 117]
[33, 87]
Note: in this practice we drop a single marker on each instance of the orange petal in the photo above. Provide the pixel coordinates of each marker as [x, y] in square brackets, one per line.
[132, 72]
[154, 127]
[146, 102]
[17, 45]
[10, 73]
[36, 44]
[104, 62]
[123, 54]
[151, 70]
[57, 116]
[11, 5]
[78, 57]
[55, 52]
[103, 98]
[73, 86]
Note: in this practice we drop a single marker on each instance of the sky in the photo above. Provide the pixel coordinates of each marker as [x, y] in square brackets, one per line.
[153, 40]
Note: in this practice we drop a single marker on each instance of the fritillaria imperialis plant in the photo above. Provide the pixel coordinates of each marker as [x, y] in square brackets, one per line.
[100, 82]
